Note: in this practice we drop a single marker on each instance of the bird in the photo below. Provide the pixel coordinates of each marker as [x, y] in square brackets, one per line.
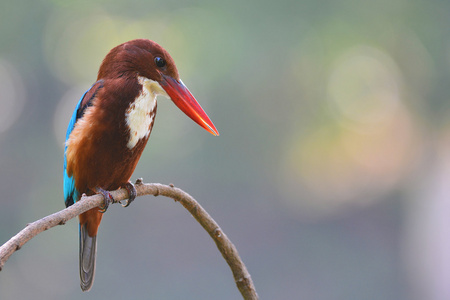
[110, 127]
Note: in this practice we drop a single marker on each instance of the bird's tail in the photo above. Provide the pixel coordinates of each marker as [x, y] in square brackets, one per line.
[88, 252]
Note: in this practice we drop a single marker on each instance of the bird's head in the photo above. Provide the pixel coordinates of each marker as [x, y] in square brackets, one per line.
[145, 58]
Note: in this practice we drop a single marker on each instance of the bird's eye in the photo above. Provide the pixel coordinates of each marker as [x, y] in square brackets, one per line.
[160, 62]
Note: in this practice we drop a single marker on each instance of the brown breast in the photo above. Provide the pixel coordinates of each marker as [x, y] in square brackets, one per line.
[106, 144]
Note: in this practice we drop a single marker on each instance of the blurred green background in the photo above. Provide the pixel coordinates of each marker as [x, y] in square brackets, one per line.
[331, 174]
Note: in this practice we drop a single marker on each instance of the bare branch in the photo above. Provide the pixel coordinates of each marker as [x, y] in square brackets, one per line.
[229, 252]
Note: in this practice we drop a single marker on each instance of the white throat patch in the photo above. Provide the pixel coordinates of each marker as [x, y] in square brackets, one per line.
[140, 115]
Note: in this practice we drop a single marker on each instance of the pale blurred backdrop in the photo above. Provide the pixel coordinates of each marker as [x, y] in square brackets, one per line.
[332, 170]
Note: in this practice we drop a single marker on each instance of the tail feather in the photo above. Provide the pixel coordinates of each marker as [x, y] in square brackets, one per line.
[88, 252]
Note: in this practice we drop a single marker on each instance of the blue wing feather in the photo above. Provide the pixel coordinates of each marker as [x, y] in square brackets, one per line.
[71, 194]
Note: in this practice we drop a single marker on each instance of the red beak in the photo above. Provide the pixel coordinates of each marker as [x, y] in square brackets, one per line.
[182, 98]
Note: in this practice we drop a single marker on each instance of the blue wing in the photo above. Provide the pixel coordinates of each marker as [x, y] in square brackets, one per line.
[71, 194]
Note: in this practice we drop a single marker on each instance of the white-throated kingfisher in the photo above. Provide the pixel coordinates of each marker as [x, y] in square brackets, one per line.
[110, 127]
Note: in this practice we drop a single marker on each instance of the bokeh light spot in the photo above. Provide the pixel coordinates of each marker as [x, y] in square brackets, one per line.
[75, 51]
[364, 87]
[362, 150]
[12, 96]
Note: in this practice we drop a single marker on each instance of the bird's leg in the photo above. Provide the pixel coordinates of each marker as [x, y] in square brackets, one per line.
[131, 192]
[108, 198]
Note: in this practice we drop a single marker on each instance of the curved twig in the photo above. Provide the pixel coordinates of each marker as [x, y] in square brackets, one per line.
[229, 252]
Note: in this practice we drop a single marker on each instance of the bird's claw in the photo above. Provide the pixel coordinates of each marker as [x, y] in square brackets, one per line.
[131, 189]
[107, 199]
